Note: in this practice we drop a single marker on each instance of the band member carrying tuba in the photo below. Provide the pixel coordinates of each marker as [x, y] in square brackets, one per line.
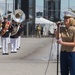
[5, 35]
[18, 17]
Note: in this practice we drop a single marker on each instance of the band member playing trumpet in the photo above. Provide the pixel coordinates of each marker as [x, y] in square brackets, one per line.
[5, 36]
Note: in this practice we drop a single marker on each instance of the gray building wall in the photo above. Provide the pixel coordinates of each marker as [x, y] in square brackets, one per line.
[52, 9]
[28, 7]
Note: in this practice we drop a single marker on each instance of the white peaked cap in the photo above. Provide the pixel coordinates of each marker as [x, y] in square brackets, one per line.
[69, 14]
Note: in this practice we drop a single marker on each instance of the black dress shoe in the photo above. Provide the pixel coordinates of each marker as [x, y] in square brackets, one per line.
[17, 48]
[5, 54]
[0, 48]
[14, 52]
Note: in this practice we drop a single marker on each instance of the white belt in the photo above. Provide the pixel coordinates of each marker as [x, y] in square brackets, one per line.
[6, 30]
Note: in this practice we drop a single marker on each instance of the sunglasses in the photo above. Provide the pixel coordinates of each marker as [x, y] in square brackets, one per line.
[5, 18]
[66, 17]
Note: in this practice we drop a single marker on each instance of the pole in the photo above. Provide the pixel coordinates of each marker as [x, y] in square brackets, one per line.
[68, 4]
[58, 48]
[57, 59]
[19, 4]
[8, 7]
[5, 7]
[13, 6]
[27, 29]
[33, 14]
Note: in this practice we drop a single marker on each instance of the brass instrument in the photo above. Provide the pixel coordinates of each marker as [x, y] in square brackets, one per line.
[0, 25]
[0, 28]
[18, 17]
[5, 29]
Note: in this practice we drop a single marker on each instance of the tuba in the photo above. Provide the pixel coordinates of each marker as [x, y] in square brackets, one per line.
[18, 17]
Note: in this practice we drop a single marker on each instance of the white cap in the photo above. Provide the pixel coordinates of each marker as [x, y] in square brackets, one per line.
[69, 14]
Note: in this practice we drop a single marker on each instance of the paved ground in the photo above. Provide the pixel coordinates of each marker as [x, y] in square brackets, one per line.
[31, 59]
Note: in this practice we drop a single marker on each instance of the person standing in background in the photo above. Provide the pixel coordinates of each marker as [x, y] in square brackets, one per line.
[38, 29]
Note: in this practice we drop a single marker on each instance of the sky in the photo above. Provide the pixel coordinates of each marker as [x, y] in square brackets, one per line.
[2, 5]
[64, 5]
[40, 5]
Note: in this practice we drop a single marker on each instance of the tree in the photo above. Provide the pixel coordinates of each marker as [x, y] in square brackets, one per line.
[72, 10]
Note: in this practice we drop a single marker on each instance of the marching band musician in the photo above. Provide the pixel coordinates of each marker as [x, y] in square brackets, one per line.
[13, 37]
[19, 36]
[5, 35]
[0, 33]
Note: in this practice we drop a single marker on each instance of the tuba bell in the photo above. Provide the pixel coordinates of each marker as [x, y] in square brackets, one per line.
[18, 17]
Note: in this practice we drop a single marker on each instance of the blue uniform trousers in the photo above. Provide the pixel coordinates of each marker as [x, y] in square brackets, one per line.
[67, 63]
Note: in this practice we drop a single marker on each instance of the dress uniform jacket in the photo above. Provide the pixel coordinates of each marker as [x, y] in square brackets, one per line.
[68, 35]
[39, 31]
[7, 31]
[20, 30]
[16, 35]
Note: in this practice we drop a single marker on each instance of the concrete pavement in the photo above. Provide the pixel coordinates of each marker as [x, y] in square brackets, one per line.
[31, 59]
